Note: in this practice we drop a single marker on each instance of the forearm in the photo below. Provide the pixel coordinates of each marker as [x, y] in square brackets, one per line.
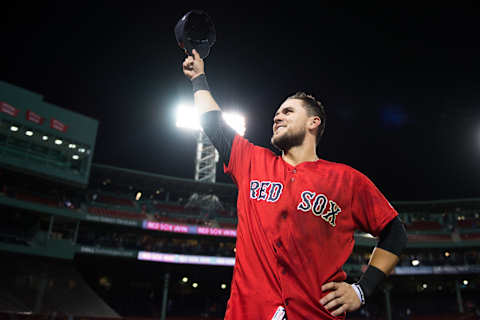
[383, 260]
[381, 264]
[351, 297]
[219, 133]
[204, 102]
[203, 99]
[393, 239]
[194, 69]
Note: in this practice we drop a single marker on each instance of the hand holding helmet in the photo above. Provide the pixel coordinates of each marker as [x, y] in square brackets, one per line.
[193, 66]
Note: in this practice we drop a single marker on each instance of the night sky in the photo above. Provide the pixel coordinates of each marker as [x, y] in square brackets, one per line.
[401, 85]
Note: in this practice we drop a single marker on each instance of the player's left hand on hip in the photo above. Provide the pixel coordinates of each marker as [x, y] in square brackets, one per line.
[341, 298]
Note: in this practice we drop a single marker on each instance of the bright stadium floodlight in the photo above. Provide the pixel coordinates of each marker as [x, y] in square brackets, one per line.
[188, 118]
[236, 121]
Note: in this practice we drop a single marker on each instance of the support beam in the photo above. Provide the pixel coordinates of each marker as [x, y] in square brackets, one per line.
[41, 287]
[165, 296]
[388, 305]
[459, 296]
[50, 226]
[75, 234]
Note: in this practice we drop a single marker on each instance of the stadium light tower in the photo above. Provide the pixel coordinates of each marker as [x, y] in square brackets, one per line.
[206, 156]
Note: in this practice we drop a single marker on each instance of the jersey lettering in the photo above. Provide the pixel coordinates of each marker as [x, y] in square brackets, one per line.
[331, 215]
[254, 185]
[262, 193]
[265, 190]
[317, 204]
[275, 192]
[306, 203]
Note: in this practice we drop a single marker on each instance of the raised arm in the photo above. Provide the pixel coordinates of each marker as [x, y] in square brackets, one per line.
[220, 134]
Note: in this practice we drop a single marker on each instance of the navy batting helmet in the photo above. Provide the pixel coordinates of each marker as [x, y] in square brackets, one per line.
[195, 30]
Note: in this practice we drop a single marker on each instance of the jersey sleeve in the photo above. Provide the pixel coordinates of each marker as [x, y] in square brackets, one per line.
[371, 210]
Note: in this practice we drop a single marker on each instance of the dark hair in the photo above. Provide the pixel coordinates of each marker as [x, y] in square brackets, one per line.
[314, 108]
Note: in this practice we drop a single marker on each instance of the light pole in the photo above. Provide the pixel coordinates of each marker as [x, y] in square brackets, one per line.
[206, 157]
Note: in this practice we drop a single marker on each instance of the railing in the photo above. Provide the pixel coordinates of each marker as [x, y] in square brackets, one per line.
[424, 225]
[115, 201]
[117, 213]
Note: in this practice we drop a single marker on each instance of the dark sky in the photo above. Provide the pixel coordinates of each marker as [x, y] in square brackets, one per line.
[401, 85]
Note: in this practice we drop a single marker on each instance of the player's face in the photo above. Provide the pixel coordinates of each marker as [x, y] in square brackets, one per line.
[289, 125]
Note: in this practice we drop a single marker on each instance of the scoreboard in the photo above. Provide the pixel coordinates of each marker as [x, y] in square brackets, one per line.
[44, 139]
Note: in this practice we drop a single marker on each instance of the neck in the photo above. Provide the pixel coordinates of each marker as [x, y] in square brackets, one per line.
[299, 154]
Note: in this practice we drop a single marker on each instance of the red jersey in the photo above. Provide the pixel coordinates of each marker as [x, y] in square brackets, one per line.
[295, 230]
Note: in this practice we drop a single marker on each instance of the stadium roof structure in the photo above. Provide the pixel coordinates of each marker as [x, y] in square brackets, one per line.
[151, 181]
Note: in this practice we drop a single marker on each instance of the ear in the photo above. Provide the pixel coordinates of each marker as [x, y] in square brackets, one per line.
[314, 122]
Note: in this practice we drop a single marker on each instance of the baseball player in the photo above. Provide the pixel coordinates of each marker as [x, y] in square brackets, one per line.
[296, 215]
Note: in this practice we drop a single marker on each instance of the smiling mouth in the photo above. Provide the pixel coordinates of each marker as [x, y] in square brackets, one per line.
[278, 128]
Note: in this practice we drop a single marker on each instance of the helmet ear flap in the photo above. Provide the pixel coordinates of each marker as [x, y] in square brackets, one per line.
[195, 30]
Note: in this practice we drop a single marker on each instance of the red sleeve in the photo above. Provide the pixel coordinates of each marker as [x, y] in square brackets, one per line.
[371, 211]
[240, 159]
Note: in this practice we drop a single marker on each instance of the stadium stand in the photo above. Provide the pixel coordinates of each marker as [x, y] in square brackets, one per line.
[94, 236]
[63, 289]
[116, 213]
[115, 201]
[424, 225]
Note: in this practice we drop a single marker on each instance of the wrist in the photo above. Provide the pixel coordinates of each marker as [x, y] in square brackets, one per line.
[197, 75]
[358, 290]
[370, 280]
[199, 82]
